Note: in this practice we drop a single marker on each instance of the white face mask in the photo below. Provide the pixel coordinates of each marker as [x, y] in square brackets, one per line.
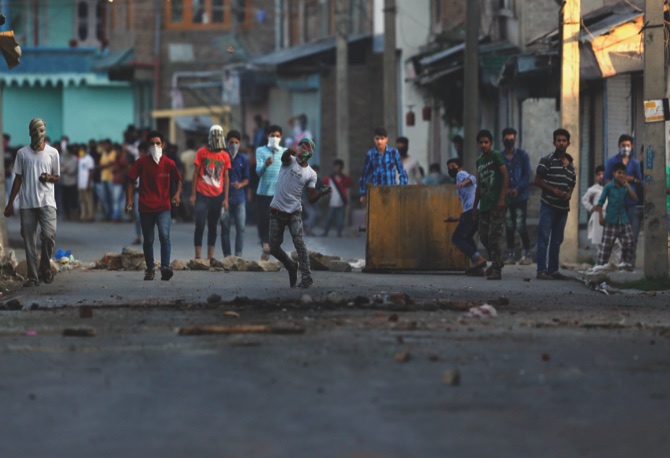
[156, 153]
[625, 150]
[233, 148]
[273, 142]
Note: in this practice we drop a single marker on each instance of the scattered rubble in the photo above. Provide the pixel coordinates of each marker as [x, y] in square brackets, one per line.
[79, 332]
[243, 329]
[481, 311]
[132, 259]
[402, 356]
[451, 377]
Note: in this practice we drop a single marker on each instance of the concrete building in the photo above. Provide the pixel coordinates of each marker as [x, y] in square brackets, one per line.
[62, 41]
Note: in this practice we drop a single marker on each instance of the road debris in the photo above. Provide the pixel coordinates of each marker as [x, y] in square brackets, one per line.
[451, 377]
[243, 329]
[231, 314]
[79, 332]
[85, 312]
[402, 356]
[481, 311]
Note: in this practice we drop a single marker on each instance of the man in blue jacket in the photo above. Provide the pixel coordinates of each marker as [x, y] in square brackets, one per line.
[518, 168]
[634, 178]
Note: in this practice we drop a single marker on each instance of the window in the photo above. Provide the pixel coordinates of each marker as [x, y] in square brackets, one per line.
[206, 14]
[92, 24]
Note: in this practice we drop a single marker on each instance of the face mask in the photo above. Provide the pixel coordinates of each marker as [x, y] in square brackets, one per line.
[509, 144]
[304, 157]
[273, 142]
[233, 148]
[625, 151]
[156, 153]
[453, 173]
[215, 141]
[38, 132]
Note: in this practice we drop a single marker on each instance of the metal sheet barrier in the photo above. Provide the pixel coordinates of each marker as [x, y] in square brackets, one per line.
[406, 229]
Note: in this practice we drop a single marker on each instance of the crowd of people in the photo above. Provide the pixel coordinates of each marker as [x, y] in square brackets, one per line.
[216, 184]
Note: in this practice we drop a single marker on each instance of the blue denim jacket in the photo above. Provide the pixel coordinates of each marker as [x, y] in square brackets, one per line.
[519, 174]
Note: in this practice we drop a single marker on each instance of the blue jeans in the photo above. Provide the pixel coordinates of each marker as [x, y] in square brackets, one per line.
[239, 214]
[463, 236]
[515, 220]
[101, 192]
[162, 220]
[550, 233]
[207, 211]
[117, 202]
[335, 214]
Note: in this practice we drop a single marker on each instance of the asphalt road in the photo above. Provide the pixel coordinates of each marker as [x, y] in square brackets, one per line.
[562, 371]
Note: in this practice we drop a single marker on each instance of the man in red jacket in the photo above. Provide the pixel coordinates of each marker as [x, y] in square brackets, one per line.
[155, 172]
[339, 182]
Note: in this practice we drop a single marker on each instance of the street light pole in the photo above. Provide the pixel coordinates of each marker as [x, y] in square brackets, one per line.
[655, 220]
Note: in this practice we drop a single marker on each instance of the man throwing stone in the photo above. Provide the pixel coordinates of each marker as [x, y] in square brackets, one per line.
[286, 209]
[37, 168]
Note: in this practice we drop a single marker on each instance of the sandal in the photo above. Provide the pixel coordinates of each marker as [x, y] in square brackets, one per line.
[48, 276]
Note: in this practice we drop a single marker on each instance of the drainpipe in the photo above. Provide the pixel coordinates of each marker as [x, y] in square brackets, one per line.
[278, 28]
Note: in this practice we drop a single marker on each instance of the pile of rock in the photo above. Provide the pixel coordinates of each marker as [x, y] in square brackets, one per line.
[133, 259]
[318, 261]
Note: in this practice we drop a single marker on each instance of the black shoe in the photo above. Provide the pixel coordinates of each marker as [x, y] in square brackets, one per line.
[293, 275]
[544, 276]
[30, 284]
[166, 273]
[559, 276]
[149, 274]
[305, 283]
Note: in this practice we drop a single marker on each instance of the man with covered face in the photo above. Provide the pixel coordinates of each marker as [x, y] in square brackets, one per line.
[286, 209]
[239, 180]
[210, 189]
[37, 169]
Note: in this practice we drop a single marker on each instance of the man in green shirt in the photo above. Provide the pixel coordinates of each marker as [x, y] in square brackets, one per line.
[490, 200]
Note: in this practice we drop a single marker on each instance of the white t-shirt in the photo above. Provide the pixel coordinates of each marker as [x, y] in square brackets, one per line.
[335, 198]
[30, 165]
[291, 181]
[86, 164]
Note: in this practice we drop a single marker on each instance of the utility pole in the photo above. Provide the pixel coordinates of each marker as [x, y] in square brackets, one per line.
[390, 71]
[471, 86]
[4, 236]
[571, 24]
[343, 28]
[655, 221]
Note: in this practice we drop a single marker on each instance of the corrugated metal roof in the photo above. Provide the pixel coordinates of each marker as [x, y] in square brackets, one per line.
[43, 66]
[54, 60]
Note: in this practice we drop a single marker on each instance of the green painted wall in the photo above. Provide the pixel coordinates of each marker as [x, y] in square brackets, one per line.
[21, 104]
[97, 112]
[61, 27]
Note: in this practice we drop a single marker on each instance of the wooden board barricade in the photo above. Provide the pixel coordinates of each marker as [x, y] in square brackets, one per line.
[406, 229]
